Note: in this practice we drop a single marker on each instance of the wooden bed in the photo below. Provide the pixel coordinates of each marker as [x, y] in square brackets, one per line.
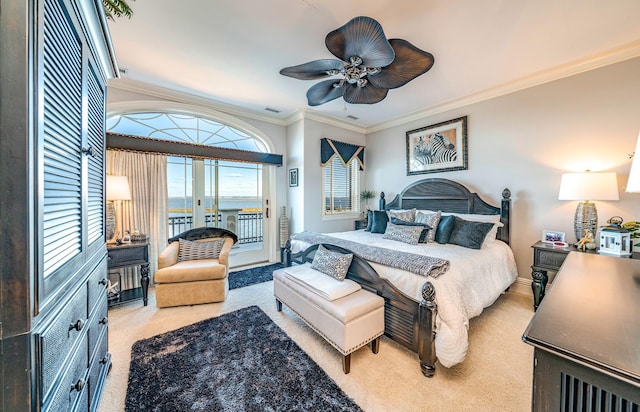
[408, 322]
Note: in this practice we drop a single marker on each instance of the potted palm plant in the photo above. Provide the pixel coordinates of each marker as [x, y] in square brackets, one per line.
[365, 196]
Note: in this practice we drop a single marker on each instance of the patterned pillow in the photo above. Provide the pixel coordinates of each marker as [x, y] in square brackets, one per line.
[199, 250]
[425, 228]
[332, 263]
[406, 234]
[408, 215]
[469, 234]
[431, 220]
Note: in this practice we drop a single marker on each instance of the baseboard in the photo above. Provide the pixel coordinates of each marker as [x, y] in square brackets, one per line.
[522, 286]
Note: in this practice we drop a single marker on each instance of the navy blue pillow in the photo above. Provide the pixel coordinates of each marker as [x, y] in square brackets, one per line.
[445, 227]
[469, 234]
[423, 235]
[379, 221]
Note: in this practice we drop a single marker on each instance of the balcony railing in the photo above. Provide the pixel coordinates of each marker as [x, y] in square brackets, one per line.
[248, 227]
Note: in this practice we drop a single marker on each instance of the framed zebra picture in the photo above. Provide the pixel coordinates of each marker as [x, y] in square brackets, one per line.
[440, 147]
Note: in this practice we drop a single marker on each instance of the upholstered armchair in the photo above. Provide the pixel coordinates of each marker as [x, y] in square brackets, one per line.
[194, 268]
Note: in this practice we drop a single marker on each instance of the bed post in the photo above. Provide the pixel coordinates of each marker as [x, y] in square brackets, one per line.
[426, 330]
[505, 215]
[286, 256]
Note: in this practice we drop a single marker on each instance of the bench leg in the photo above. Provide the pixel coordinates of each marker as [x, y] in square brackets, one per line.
[346, 363]
[375, 345]
[279, 305]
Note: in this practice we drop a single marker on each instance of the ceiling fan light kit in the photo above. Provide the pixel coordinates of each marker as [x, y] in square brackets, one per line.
[369, 65]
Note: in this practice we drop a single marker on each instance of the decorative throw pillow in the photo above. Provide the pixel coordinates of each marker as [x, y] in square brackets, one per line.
[445, 227]
[425, 228]
[431, 220]
[332, 263]
[406, 234]
[408, 215]
[469, 234]
[471, 217]
[379, 221]
[190, 250]
[369, 220]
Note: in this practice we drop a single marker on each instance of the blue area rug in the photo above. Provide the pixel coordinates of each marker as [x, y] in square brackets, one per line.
[242, 278]
[240, 361]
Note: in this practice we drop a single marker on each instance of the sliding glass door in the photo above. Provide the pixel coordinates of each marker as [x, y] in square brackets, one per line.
[223, 194]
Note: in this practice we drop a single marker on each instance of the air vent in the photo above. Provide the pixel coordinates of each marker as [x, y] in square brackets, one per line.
[272, 110]
[352, 117]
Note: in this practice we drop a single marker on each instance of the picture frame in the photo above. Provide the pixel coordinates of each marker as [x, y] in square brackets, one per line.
[441, 147]
[293, 177]
[553, 236]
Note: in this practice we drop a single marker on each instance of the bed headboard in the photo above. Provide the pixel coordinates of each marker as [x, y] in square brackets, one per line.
[449, 196]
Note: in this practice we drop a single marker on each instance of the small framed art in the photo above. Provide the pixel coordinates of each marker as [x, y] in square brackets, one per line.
[293, 177]
[552, 236]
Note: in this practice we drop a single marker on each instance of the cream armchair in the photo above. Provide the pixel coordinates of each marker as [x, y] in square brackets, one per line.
[192, 282]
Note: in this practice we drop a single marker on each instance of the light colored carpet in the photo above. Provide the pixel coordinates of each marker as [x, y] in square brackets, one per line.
[495, 376]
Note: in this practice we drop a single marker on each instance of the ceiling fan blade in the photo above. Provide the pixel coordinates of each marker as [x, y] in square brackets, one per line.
[316, 69]
[410, 62]
[364, 95]
[324, 92]
[363, 37]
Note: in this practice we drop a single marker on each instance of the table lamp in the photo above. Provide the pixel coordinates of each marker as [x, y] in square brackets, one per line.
[117, 190]
[585, 187]
[633, 184]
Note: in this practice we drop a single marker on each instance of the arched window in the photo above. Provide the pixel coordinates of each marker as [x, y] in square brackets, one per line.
[203, 191]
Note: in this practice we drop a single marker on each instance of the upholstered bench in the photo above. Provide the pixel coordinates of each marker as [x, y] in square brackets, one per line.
[347, 323]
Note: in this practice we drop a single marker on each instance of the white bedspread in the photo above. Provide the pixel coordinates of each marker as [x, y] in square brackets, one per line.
[474, 281]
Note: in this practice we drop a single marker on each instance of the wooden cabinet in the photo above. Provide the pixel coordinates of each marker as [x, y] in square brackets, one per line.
[585, 336]
[56, 59]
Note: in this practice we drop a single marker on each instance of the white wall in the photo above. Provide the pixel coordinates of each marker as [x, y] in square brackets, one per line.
[524, 141]
[312, 177]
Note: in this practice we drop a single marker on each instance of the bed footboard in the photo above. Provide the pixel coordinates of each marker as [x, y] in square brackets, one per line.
[409, 323]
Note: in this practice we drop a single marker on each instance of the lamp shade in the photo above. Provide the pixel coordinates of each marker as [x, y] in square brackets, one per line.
[633, 184]
[589, 186]
[118, 188]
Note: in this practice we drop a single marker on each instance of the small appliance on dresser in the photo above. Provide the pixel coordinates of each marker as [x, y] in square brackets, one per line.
[56, 59]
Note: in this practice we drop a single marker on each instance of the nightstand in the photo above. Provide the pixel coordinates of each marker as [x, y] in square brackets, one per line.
[127, 255]
[361, 224]
[547, 257]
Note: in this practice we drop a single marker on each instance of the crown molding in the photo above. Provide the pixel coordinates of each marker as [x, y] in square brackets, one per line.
[301, 114]
[613, 56]
[152, 90]
[618, 55]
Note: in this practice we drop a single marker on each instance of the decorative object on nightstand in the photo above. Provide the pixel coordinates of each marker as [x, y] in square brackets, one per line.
[117, 190]
[585, 187]
[365, 196]
[614, 239]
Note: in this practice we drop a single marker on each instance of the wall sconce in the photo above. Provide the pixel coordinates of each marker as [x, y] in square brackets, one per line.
[585, 187]
[117, 190]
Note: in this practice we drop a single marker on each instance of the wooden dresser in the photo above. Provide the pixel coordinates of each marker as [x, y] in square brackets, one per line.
[56, 59]
[586, 335]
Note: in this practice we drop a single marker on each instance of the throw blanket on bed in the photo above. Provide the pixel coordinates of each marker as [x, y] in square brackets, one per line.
[418, 264]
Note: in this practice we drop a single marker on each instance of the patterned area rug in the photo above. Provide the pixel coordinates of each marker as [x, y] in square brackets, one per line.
[240, 361]
[248, 277]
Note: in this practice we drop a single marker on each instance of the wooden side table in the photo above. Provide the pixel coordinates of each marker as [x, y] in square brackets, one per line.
[547, 257]
[126, 255]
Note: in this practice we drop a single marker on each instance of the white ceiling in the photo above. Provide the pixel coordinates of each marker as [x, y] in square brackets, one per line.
[231, 51]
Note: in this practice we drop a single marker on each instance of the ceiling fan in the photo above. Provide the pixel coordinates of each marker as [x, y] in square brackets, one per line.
[369, 64]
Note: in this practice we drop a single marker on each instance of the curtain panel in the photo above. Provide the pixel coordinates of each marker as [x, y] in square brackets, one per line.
[346, 151]
[147, 210]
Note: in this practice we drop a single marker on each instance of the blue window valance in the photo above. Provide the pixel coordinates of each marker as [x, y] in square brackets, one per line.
[346, 151]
